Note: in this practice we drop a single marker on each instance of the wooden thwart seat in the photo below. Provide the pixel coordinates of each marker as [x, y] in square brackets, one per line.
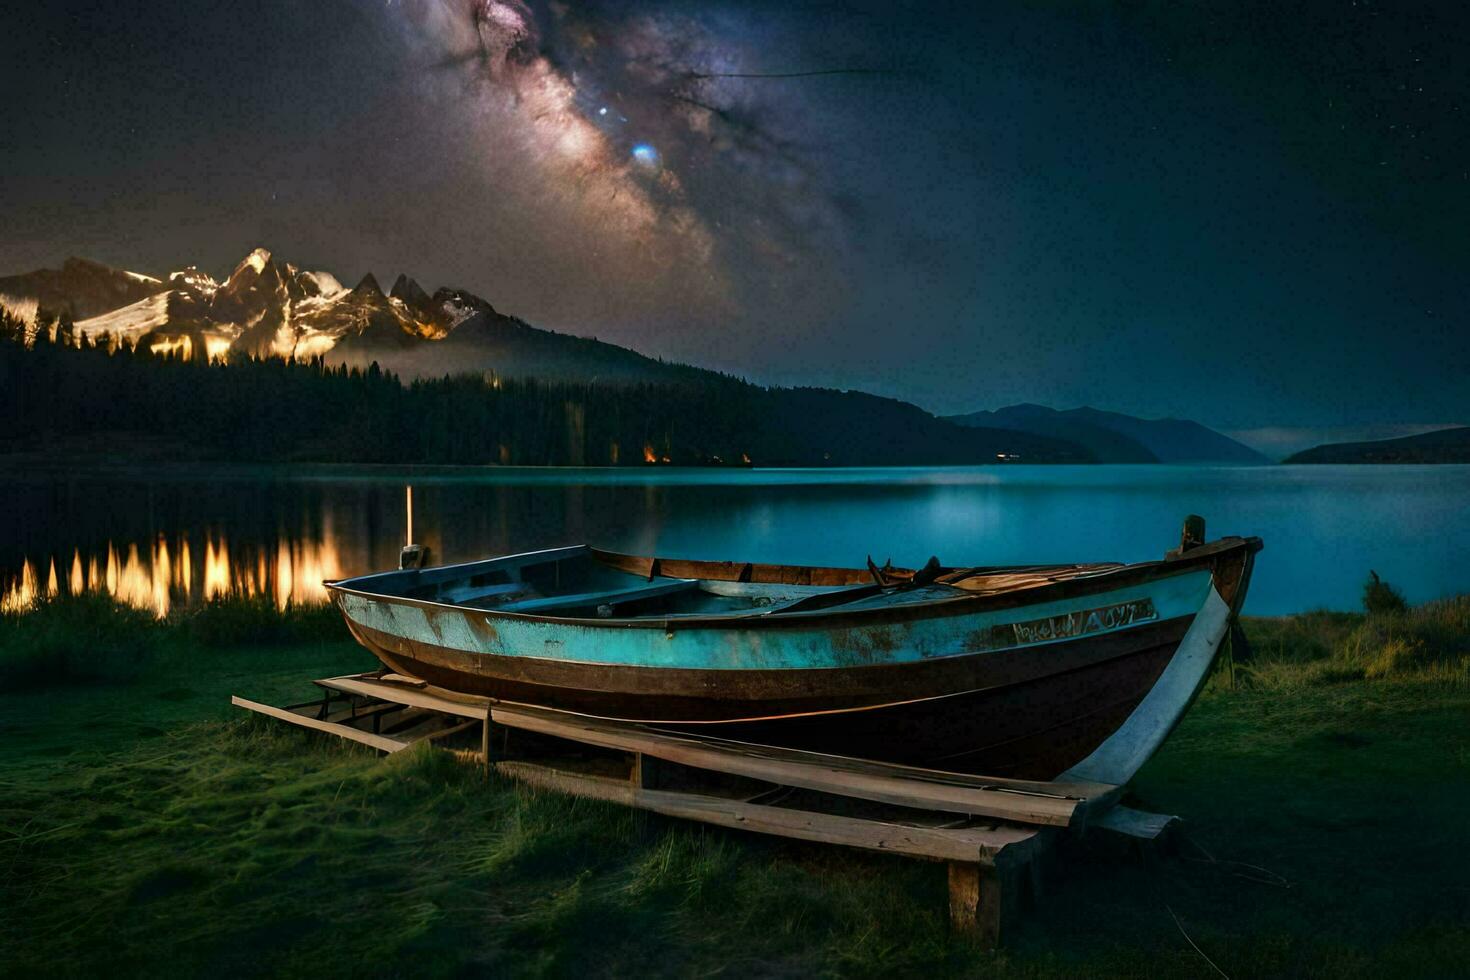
[612, 597]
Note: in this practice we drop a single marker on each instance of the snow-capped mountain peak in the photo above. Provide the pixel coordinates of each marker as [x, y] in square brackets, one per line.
[267, 307]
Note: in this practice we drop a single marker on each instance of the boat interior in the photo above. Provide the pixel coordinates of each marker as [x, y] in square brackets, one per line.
[585, 583]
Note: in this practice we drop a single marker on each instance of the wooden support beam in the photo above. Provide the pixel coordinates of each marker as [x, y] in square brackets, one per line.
[1051, 804]
[964, 897]
[646, 771]
[976, 900]
[431, 699]
[992, 854]
[380, 742]
[971, 844]
[485, 744]
[434, 736]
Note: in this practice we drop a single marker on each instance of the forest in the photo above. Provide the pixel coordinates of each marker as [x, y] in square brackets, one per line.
[67, 395]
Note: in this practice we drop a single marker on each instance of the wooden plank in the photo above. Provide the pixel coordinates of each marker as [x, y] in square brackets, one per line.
[1049, 804]
[355, 713]
[451, 730]
[959, 844]
[403, 680]
[380, 742]
[977, 844]
[574, 784]
[433, 699]
[1080, 790]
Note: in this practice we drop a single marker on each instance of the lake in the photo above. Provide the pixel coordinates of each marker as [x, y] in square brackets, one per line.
[169, 535]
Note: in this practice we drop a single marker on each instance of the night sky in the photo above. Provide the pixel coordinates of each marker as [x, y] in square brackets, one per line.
[1257, 219]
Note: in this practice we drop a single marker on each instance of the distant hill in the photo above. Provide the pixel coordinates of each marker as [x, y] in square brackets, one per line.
[857, 429]
[1443, 446]
[1116, 438]
[1108, 446]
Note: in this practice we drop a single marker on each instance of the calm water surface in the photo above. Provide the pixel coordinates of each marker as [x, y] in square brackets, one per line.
[162, 537]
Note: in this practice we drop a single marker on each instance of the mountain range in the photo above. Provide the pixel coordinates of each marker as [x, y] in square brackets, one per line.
[268, 307]
[1112, 437]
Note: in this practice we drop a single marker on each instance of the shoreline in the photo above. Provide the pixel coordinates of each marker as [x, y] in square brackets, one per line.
[14, 465]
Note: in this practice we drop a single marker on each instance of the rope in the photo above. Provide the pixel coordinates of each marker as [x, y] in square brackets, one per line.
[1195, 945]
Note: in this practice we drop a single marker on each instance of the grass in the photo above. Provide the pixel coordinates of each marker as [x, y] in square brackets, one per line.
[1430, 642]
[91, 638]
[147, 829]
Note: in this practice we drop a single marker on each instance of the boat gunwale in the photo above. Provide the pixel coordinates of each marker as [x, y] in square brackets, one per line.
[1202, 556]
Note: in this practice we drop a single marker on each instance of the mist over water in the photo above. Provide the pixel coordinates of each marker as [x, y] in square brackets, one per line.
[161, 538]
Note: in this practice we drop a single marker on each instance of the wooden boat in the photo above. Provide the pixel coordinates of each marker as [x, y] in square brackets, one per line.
[1075, 671]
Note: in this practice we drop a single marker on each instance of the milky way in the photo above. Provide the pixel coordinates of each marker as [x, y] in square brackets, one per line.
[648, 155]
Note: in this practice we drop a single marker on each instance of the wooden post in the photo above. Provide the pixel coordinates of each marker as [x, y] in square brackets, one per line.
[1192, 535]
[975, 902]
[485, 743]
[645, 771]
[644, 776]
[964, 896]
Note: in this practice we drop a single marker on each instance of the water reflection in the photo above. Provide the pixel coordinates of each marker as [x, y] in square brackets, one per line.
[159, 538]
[162, 574]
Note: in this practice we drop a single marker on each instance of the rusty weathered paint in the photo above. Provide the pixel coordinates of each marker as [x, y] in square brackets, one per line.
[802, 641]
[694, 694]
[1023, 682]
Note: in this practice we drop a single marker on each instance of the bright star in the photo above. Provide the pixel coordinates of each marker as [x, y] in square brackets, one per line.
[645, 154]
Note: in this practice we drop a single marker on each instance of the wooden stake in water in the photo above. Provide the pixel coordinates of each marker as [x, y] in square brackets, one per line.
[412, 556]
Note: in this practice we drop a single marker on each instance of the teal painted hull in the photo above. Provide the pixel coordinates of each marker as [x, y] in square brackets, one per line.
[1024, 682]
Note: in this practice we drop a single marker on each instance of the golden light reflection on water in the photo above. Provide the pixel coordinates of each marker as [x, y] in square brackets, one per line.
[162, 574]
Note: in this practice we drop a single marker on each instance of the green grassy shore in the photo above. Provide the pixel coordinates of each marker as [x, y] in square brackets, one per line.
[148, 828]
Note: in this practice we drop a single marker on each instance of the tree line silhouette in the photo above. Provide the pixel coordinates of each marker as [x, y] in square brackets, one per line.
[63, 393]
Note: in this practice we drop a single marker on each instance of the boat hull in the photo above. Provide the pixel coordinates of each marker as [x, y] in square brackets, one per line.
[1090, 674]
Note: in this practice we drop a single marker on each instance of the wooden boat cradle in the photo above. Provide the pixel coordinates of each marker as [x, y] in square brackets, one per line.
[994, 834]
